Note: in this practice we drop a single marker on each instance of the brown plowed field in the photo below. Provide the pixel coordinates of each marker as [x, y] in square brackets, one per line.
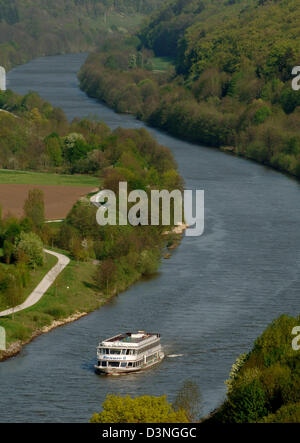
[58, 199]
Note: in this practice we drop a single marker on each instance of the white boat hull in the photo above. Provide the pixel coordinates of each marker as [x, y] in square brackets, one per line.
[121, 371]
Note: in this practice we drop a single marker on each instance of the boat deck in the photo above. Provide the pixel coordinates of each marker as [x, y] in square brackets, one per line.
[130, 338]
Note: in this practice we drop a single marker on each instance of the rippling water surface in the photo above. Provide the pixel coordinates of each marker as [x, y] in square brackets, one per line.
[209, 301]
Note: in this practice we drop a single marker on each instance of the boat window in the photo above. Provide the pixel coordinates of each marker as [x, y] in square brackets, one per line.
[104, 363]
[146, 348]
[130, 352]
[104, 351]
[123, 365]
[115, 351]
[124, 351]
[129, 364]
[114, 364]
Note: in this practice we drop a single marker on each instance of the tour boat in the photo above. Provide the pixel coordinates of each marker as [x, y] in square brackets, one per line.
[129, 352]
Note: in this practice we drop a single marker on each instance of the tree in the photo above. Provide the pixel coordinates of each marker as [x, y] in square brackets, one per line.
[8, 249]
[148, 262]
[246, 404]
[54, 150]
[106, 274]
[188, 399]
[74, 147]
[144, 409]
[286, 414]
[34, 207]
[30, 245]
[132, 61]
[13, 293]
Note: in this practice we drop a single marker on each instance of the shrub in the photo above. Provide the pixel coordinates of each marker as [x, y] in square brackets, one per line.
[248, 403]
[286, 414]
[144, 409]
[148, 262]
[56, 311]
[30, 245]
[261, 115]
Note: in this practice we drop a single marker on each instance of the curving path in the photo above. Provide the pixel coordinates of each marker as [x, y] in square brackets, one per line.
[43, 286]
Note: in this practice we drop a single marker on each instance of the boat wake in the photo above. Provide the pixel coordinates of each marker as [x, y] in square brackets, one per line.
[175, 355]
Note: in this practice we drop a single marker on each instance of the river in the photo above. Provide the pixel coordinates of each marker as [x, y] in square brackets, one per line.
[209, 301]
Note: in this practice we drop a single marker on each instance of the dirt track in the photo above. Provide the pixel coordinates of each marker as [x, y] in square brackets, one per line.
[58, 199]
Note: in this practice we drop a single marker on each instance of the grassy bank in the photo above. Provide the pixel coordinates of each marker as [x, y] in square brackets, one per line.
[73, 291]
[44, 178]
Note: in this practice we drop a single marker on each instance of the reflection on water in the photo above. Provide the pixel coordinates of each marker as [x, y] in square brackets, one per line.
[209, 301]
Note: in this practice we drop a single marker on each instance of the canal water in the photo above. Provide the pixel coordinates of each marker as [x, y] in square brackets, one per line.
[209, 301]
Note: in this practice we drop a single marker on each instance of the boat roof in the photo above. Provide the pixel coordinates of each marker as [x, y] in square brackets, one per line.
[129, 338]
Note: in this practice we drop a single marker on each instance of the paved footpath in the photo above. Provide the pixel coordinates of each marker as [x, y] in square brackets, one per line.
[43, 286]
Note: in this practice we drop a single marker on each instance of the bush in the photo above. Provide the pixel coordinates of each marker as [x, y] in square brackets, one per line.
[56, 312]
[261, 115]
[286, 414]
[257, 151]
[148, 262]
[30, 245]
[144, 409]
[247, 403]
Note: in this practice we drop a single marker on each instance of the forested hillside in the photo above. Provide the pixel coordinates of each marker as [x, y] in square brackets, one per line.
[264, 384]
[231, 86]
[30, 28]
[230, 35]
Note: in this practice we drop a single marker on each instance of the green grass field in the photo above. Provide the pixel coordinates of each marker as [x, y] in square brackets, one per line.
[45, 178]
[122, 22]
[161, 63]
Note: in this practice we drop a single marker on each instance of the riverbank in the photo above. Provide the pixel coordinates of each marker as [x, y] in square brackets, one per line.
[48, 313]
[262, 127]
[72, 295]
[184, 135]
[16, 347]
[111, 258]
